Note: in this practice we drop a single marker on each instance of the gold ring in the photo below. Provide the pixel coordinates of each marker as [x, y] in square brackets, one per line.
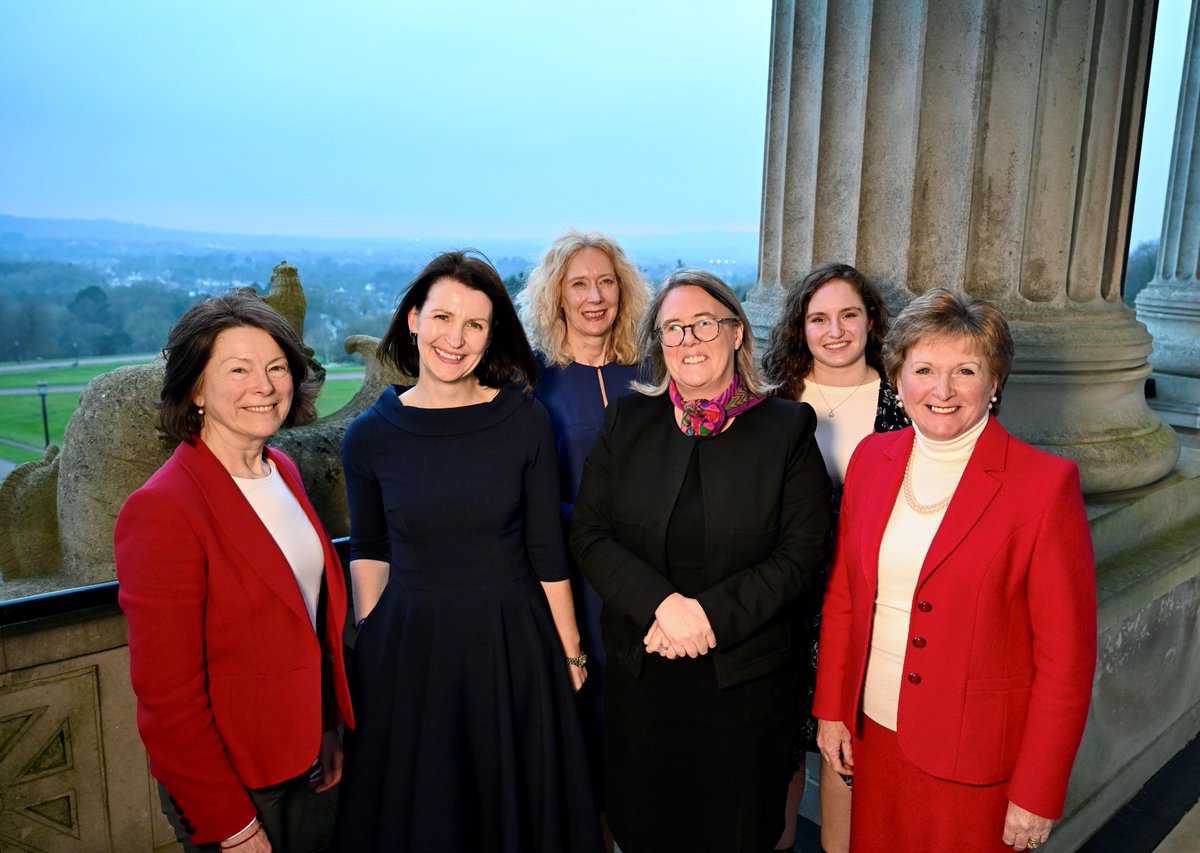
[1033, 843]
[662, 648]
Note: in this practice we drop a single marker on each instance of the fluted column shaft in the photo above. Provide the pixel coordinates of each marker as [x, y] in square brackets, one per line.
[988, 146]
[1170, 304]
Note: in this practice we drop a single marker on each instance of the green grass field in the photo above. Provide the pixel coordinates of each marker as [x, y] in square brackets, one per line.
[21, 414]
[52, 376]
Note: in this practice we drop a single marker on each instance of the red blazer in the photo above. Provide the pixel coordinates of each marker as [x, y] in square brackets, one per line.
[1002, 637]
[226, 666]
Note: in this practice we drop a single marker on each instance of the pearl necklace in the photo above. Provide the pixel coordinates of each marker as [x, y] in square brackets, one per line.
[911, 498]
[833, 409]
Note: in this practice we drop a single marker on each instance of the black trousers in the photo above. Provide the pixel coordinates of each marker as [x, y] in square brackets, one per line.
[280, 810]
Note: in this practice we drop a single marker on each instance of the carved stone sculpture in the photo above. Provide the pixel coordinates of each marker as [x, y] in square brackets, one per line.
[57, 514]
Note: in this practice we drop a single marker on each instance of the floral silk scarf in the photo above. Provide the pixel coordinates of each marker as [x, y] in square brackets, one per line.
[708, 417]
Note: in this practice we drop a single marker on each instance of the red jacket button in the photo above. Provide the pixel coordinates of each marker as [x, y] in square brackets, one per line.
[918, 642]
[924, 606]
[913, 678]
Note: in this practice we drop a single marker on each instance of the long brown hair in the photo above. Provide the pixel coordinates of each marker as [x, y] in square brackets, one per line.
[788, 360]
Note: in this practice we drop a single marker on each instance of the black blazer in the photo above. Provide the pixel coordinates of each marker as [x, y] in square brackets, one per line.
[766, 516]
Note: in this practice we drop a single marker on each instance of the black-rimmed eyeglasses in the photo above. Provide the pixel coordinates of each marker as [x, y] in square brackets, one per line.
[672, 335]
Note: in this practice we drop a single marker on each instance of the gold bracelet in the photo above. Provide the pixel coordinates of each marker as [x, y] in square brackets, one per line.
[580, 661]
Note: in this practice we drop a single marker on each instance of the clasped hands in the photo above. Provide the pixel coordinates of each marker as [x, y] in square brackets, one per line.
[680, 629]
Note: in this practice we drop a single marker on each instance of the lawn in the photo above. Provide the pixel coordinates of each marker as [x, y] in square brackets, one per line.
[16, 454]
[21, 414]
[81, 375]
[336, 393]
[21, 420]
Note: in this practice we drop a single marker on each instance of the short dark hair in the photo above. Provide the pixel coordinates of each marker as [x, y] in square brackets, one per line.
[788, 360]
[190, 346]
[508, 357]
[942, 313]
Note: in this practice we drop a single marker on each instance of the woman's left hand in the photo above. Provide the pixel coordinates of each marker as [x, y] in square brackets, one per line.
[1023, 830]
[578, 676]
[656, 643]
[685, 625]
[331, 761]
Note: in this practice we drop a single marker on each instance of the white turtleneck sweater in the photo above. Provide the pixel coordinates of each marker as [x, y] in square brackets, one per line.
[937, 468]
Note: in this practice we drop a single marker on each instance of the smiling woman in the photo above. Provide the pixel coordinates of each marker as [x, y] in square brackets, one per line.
[826, 349]
[451, 332]
[244, 395]
[469, 652]
[701, 522]
[234, 594]
[953, 528]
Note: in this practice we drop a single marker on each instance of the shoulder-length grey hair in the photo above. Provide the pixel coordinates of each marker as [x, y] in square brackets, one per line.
[745, 364]
[540, 303]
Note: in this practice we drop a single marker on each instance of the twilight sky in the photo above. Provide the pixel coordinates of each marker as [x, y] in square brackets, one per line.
[386, 117]
[398, 118]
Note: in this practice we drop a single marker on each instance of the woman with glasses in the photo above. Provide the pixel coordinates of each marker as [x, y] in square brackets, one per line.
[701, 521]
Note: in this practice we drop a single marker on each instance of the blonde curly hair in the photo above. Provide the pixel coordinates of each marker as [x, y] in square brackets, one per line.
[540, 303]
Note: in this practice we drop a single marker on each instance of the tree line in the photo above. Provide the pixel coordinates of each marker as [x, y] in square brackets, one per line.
[54, 310]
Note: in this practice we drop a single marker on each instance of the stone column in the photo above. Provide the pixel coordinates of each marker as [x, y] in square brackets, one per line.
[988, 146]
[1170, 304]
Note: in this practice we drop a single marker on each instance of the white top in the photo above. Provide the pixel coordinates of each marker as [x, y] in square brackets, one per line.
[286, 521]
[937, 468]
[852, 420]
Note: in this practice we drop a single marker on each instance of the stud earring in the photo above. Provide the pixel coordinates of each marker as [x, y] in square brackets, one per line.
[201, 410]
[993, 403]
[899, 403]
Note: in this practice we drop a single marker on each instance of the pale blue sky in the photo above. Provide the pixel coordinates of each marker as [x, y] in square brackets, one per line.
[375, 118]
[1166, 70]
[397, 118]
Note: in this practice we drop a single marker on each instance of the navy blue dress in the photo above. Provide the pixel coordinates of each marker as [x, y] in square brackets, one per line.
[468, 738]
[572, 396]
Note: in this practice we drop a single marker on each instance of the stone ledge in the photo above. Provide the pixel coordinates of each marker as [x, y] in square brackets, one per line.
[59, 638]
[1129, 527]
[1091, 814]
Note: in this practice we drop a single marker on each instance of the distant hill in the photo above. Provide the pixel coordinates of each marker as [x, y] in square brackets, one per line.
[736, 248]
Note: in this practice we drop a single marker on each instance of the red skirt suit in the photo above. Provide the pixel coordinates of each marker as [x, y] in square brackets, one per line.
[1001, 648]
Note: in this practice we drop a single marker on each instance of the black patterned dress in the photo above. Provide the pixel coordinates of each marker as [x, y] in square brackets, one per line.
[889, 416]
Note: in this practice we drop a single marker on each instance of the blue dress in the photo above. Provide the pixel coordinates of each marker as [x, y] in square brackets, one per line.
[468, 737]
[572, 396]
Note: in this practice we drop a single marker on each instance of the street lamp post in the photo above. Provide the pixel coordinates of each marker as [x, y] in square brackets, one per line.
[43, 389]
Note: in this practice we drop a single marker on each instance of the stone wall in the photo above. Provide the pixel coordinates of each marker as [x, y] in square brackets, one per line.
[74, 777]
[73, 774]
